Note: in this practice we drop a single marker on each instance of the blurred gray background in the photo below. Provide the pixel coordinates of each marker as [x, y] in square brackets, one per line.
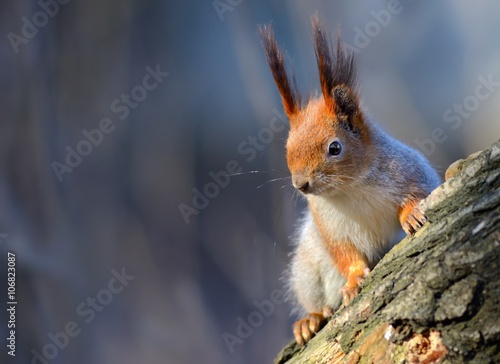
[119, 208]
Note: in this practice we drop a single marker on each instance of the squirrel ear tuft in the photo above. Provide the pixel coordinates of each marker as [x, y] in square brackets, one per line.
[346, 103]
[335, 65]
[286, 85]
[346, 106]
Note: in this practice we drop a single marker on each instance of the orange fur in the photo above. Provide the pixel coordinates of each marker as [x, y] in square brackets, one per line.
[316, 132]
[349, 261]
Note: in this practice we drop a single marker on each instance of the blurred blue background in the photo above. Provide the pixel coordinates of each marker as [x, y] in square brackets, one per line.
[199, 274]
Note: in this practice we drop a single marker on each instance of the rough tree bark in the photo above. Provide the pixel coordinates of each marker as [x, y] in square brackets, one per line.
[434, 297]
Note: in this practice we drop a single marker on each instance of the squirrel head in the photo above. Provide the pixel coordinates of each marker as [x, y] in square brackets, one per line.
[328, 140]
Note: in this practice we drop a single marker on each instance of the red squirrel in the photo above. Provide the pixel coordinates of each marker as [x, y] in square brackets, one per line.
[361, 185]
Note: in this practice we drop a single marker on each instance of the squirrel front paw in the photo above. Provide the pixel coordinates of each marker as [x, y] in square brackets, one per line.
[306, 328]
[414, 221]
[353, 285]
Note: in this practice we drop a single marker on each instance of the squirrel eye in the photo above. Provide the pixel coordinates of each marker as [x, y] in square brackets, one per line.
[335, 148]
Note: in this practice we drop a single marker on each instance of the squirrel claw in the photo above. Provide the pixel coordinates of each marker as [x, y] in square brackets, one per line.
[327, 311]
[348, 293]
[306, 328]
[414, 221]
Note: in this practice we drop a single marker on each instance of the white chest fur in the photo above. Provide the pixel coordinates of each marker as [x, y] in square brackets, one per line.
[368, 219]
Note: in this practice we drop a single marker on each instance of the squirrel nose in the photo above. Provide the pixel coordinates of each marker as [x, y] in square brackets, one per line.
[302, 184]
[304, 187]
